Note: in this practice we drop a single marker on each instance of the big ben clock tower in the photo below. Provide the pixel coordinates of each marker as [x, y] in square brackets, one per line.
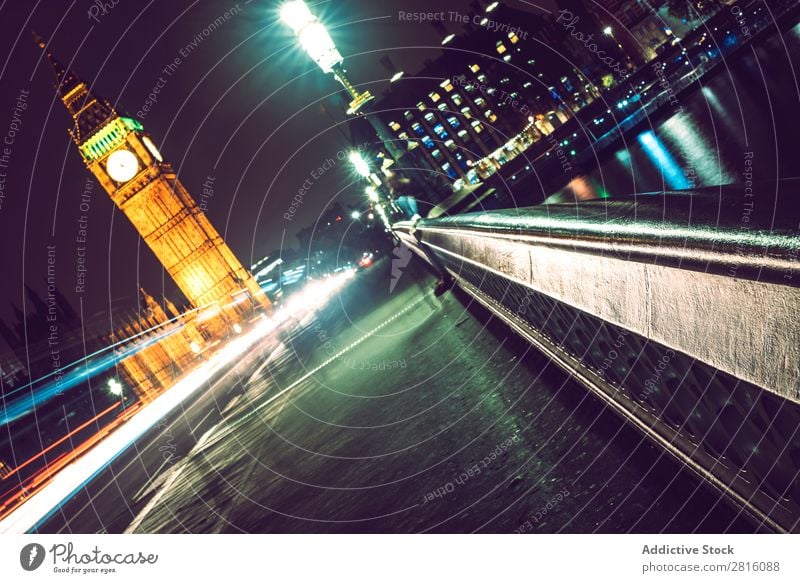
[128, 165]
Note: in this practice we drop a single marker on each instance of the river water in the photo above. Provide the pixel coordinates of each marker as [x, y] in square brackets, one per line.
[742, 117]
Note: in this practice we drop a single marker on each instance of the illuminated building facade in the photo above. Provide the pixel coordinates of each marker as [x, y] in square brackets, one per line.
[128, 165]
[492, 93]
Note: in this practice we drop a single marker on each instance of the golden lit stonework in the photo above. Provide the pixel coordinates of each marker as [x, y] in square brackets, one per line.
[127, 163]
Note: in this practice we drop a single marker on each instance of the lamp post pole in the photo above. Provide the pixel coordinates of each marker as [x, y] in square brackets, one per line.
[318, 44]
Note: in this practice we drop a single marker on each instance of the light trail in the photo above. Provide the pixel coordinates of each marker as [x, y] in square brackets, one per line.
[74, 476]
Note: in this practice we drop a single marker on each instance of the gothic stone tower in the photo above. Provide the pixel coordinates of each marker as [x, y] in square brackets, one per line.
[128, 165]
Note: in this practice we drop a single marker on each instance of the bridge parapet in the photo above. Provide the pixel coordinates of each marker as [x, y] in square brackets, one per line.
[679, 310]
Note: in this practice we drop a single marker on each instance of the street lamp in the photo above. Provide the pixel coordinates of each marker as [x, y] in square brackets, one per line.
[115, 387]
[608, 31]
[361, 166]
[372, 193]
[317, 42]
[355, 215]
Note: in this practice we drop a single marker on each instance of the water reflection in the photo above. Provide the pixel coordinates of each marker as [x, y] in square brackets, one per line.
[749, 107]
[672, 173]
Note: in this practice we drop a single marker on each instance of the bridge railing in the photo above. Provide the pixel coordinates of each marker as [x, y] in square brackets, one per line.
[679, 310]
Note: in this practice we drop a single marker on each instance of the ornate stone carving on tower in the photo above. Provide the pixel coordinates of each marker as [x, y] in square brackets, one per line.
[126, 162]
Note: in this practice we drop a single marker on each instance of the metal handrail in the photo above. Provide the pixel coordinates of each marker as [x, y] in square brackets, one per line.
[717, 230]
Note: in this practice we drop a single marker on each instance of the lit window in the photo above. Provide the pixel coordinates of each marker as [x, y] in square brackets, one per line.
[421, 106]
[512, 36]
[436, 154]
[417, 129]
[456, 98]
[429, 117]
[453, 121]
[402, 135]
[464, 135]
[482, 78]
[480, 102]
[501, 48]
[477, 126]
[395, 126]
[440, 131]
[466, 111]
[490, 116]
[434, 96]
[474, 68]
[451, 145]
[442, 107]
[408, 115]
[446, 85]
[449, 170]
[428, 142]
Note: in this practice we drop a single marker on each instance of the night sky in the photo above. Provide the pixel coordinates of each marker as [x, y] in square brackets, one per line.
[242, 108]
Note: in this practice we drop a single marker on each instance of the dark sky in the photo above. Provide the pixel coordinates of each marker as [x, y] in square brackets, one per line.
[239, 108]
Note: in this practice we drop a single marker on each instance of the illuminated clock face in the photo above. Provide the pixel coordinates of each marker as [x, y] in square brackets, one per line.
[122, 165]
[152, 148]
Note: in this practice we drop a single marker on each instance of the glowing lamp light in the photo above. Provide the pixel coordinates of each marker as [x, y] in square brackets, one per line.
[195, 347]
[356, 215]
[312, 34]
[448, 38]
[491, 6]
[237, 328]
[316, 41]
[296, 15]
[396, 76]
[115, 387]
[372, 193]
[359, 164]
[608, 31]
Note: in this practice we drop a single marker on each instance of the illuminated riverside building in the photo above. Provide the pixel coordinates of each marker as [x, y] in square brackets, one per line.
[493, 92]
[127, 163]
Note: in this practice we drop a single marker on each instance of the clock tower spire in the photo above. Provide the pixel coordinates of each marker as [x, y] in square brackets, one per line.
[129, 166]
